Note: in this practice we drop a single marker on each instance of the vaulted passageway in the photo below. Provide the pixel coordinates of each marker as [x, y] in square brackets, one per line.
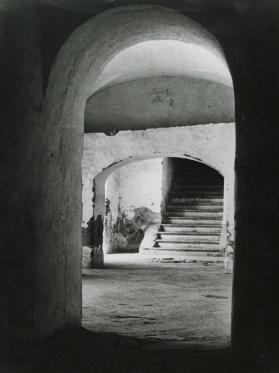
[42, 136]
[184, 110]
[42, 141]
[173, 291]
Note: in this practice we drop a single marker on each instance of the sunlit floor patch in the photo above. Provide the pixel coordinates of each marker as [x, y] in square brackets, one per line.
[173, 304]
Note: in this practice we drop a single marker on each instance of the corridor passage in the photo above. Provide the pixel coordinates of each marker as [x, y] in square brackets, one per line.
[168, 304]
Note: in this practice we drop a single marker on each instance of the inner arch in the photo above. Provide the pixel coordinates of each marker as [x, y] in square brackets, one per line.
[73, 80]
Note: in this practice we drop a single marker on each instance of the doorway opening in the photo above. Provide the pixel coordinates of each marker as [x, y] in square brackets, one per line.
[187, 112]
[164, 244]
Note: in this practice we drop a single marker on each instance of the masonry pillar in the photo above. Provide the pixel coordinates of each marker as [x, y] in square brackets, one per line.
[21, 101]
[255, 70]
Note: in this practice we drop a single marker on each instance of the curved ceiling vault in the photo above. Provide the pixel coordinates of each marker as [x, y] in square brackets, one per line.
[156, 58]
[139, 67]
[159, 83]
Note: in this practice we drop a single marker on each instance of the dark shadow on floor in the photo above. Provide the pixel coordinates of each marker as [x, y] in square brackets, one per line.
[81, 351]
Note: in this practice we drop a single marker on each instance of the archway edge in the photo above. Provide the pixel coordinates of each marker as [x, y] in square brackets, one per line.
[79, 62]
[211, 144]
[93, 45]
[96, 190]
[98, 180]
[123, 162]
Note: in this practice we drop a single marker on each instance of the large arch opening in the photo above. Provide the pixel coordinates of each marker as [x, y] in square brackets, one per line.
[87, 93]
[173, 228]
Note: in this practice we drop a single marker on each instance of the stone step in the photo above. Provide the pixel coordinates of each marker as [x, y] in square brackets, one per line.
[202, 200]
[182, 246]
[193, 220]
[195, 182]
[195, 189]
[192, 185]
[186, 255]
[176, 228]
[205, 170]
[196, 193]
[193, 214]
[198, 178]
[199, 207]
[194, 238]
[188, 221]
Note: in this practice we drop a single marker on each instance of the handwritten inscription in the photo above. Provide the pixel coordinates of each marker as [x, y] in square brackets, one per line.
[161, 96]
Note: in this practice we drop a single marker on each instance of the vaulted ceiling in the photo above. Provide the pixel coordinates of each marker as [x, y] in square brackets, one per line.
[157, 58]
[158, 82]
[161, 83]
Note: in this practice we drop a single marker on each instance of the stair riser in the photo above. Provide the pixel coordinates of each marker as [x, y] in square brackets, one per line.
[190, 238]
[197, 186]
[197, 179]
[194, 214]
[190, 230]
[194, 172]
[187, 247]
[198, 255]
[196, 194]
[185, 200]
[185, 207]
[197, 222]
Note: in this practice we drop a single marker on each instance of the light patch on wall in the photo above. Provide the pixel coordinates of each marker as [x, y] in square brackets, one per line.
[134, 195]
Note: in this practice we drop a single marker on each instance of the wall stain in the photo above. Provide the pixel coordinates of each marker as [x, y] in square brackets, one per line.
[132, 230]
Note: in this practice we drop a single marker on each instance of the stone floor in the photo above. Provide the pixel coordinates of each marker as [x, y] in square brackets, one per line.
[166, 304]
[145, 316]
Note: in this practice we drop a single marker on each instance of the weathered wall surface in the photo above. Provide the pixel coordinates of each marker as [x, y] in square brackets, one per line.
[55, 33]
[133, 198]
[213, 144]
[26, 281]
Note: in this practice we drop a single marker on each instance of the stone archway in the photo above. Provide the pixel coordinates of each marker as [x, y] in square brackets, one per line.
[72, 81]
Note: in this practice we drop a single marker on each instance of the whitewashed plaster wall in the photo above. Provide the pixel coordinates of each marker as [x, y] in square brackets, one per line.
[212, 144]
[133, 194]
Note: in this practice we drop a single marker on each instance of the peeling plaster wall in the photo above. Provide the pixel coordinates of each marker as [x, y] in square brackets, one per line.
[133, 199]
[212, 144]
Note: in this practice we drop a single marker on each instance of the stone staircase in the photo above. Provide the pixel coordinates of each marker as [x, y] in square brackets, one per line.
[192, 222]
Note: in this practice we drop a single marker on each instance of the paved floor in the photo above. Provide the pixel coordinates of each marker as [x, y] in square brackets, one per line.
[146, 317]
[166, 304]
